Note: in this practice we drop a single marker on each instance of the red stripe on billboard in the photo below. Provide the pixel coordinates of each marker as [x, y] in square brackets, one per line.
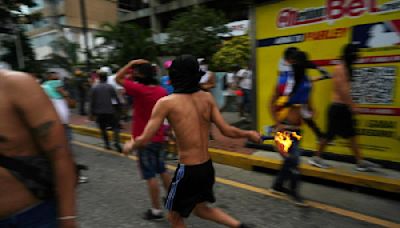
[364, 60]
[379, 111]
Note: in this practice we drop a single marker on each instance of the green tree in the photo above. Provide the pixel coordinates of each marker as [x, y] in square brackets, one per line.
[65, 53]
[11, 12]
[234, 51]
[196, 32]
[13, 17]
[124, 42]
[10, 56]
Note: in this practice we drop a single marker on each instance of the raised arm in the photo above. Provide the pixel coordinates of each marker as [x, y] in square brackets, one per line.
[159, 113]
[227, 129]
[47, 131]
[120, 76]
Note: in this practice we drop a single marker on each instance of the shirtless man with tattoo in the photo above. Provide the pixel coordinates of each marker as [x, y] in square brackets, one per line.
[190, 112]
[32, 138]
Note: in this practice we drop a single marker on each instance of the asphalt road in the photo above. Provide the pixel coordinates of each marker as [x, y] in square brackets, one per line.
[117, 197]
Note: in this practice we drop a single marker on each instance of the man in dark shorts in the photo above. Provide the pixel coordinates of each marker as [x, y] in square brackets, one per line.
[190, 111]
[341, 112]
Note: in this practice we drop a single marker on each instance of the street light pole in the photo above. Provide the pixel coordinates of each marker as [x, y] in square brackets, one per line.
[19, 50]
[85, 35]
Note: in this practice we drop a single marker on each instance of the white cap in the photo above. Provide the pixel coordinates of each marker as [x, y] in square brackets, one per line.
[106, 69]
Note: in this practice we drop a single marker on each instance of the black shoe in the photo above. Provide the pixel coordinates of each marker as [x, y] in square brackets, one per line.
[148, 215]
[280, 191]
[243, 225]
[118, 148]
[107, 147]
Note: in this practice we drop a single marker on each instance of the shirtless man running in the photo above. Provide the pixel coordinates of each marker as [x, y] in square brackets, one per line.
[30, 131]
[190, 112]
[342, 111]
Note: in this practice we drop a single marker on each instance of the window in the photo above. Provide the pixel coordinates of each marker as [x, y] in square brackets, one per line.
[41, 41]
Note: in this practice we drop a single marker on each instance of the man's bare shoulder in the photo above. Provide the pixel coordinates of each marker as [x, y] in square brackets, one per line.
[15, 79]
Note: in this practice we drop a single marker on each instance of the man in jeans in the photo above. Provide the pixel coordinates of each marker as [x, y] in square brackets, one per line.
[146, 92]
[102, 102]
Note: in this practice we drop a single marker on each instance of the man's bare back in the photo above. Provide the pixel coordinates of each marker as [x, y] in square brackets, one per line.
[12, 132]
[30, 127]
[190, 117]
[341, 86]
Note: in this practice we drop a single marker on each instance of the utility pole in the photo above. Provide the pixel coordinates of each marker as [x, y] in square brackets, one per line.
[19, 50]
[85, 36]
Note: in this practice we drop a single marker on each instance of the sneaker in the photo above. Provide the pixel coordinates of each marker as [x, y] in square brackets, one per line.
[148, 215]
[118, 148]
[244, 225]
[318, 162]
[83, 179]
[366, 166]
[298, 201]
[282, 191]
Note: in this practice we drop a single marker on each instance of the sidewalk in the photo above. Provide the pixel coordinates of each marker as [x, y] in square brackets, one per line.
[220, 142]
[232, 152]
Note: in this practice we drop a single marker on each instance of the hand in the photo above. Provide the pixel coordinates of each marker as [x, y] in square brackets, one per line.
[138, 61]
[128, 146]
[70, 223]
[254, 136]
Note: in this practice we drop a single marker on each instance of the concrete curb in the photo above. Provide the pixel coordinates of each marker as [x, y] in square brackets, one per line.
[249, 162]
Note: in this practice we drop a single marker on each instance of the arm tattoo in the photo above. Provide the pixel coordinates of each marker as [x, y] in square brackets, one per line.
[43, 130]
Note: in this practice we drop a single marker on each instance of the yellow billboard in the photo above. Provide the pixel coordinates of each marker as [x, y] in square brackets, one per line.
[321, 28]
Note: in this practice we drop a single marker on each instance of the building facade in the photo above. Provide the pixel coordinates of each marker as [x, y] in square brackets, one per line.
[62, 18]
[156, 14]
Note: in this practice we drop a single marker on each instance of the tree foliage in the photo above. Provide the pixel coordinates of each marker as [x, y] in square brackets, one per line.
[124, 42]
[11, 13]
[10, 56]
[12, 17]
[65, 53]
[196, 32]
[234, 51]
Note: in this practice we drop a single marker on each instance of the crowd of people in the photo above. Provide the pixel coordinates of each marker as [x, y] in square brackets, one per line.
[37, 184]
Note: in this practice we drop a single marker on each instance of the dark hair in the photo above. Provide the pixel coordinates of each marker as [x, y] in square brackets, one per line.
[147, 71]
[290, 53]
[102, 76]
[299, 68]
[349, 56]
[185, 74]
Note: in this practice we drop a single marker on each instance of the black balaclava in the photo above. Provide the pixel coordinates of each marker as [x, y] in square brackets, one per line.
[349, 56]
[185, 75]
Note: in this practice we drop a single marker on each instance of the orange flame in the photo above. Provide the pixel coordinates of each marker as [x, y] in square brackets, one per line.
[283, 140]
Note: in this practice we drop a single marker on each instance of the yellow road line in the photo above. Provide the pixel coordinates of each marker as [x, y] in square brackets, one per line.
[321, 206]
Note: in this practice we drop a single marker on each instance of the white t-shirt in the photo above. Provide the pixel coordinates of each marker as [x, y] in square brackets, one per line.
[246, 78]
[205, 77]
[111, 81]
[230, 78]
